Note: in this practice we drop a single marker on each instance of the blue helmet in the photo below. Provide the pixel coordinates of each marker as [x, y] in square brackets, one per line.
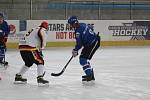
[72, 20]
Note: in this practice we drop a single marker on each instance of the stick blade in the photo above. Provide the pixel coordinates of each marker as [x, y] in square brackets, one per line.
[56, 74]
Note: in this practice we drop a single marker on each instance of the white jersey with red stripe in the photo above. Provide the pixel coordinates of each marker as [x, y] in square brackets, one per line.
[35, 38]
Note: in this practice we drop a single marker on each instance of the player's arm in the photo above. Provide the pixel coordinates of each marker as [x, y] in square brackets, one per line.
[6, 29]
[4, 33]
[78, 41]
[78, 45]
[42, 37]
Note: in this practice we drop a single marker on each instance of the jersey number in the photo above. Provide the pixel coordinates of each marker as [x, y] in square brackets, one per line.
[91, 32]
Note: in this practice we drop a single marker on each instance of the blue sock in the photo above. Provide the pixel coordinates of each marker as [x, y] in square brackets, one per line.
[86, 66]
[87, 69]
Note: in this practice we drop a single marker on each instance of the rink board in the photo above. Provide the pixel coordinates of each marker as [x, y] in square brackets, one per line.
[112, 32]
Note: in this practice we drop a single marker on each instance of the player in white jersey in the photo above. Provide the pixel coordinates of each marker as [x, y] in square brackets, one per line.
[31, 52]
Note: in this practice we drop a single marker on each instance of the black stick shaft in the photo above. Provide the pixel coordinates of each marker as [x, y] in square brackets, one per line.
[60, 73]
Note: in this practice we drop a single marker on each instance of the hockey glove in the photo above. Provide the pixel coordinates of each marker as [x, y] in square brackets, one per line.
[74, 53]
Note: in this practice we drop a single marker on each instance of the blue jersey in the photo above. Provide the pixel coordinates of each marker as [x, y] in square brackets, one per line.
[4, 29]
[85, 36]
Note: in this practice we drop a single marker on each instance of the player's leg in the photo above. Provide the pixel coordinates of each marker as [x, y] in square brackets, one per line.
[28, 60]
[87, 54]
[2, 55]
[40, 68]
[89, 74]
[84, 61]
[93, 48]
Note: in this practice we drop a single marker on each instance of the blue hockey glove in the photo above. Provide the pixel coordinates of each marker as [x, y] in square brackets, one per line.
[74, 53]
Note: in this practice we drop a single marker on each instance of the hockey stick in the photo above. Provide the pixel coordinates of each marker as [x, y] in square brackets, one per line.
[60, 73]
[4, 58]
[5, 66]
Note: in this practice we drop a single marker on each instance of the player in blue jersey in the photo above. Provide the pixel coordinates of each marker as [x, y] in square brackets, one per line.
[4, 31]
[89, 40]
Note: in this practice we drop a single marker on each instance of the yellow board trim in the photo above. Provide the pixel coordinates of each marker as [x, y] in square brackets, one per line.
[103, 43]
[126, 43]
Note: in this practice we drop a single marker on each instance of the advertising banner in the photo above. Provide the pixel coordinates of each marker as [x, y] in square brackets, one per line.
[110, 30]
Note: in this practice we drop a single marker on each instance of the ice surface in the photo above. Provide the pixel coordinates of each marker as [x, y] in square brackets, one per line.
[121, 73]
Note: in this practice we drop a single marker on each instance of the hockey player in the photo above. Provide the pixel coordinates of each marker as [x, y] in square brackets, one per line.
[4, 31]
[89, 40]
[31, 52]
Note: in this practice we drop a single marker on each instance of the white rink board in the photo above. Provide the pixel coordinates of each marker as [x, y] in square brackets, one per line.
[110, 30]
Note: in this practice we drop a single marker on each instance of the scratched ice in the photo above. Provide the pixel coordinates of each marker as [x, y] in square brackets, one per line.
[122, 73]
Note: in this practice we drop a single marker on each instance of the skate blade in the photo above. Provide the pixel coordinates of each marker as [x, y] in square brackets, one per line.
[20, 82]
[88, 82]
[43, 85]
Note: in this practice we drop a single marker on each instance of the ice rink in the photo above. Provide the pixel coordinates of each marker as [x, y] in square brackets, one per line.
[122, 73]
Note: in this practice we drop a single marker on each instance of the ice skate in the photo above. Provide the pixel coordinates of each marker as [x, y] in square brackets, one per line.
[4, 63]
[42, 82]
[20, 80]
[88, 78]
